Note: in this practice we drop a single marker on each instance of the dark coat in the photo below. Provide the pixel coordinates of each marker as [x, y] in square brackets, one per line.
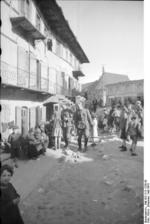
[10, 213]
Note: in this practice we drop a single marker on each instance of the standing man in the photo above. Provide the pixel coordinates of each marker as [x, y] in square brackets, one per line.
[83, 123]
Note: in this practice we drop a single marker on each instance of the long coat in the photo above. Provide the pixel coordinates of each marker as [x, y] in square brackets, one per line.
[9, 212]
[84, 116]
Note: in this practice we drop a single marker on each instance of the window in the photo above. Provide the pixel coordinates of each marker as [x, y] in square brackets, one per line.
[58, 48]
[38, 22]
[49, 44]
[75, 62]
[24, 6]
[67, 54]
[33, 72]
[45, 31]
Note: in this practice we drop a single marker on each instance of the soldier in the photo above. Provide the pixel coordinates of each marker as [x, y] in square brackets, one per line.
[83, 121]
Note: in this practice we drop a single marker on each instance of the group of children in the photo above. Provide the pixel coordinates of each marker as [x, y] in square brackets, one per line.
[131, 126]
[31, 146]
[128, 120]
[38, 139]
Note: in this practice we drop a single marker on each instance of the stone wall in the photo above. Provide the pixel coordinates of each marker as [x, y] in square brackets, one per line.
[126, 89]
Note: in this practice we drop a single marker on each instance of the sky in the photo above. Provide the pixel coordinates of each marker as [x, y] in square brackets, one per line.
[111, 33]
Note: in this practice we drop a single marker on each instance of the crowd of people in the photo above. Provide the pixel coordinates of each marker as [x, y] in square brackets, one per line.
[79, 121]
[125, 120]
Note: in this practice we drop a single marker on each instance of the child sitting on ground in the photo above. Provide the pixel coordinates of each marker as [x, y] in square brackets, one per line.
[9, 200]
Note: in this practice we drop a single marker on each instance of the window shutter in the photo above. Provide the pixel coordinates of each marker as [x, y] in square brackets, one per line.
[43, 114]
[38, 115]
[18, 117]
[25, 121]
[49, 44]
[32, 117]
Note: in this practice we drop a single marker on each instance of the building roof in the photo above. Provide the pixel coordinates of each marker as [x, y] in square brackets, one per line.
[105, 79]
[53, 14]
[110, 78]
[87, 85]
[126, 82]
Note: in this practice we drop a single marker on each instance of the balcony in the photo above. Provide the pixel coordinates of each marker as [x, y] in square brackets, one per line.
[77, 73]
[12, 75]
[44, 84]
[22, 78]
[17, 77]
[8, 74]
[23, 27]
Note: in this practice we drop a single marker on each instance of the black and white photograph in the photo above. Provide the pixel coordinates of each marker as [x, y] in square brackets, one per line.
[72, 112]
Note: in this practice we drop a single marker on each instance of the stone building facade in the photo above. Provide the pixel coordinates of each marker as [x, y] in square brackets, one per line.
[97, 90]
[40, 58]
[130, 90]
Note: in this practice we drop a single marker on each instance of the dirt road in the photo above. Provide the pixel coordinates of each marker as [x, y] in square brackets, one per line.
[107, 189]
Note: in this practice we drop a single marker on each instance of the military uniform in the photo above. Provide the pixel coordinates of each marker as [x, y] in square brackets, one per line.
[83, 123]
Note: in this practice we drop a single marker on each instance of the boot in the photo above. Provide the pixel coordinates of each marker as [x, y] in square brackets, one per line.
[85, 145]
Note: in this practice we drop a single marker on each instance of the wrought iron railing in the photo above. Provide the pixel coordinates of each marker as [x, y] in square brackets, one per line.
[22, 78]
[44, 84]
[33, 81]
[19, 77]
[8, 73]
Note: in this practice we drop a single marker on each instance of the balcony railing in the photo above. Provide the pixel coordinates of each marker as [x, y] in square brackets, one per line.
[12, 75]
[44, 84]
[18, 77]
[33, 81]
[8, 73]
[52, 87]
[23, 78]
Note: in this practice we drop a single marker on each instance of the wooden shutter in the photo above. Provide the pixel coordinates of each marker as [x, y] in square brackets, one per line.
[18, 121]
[38, 115]
[23, 67]
[43, 113]
[38, 74]
[32, 117]
[25, 121]
[33, 72]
